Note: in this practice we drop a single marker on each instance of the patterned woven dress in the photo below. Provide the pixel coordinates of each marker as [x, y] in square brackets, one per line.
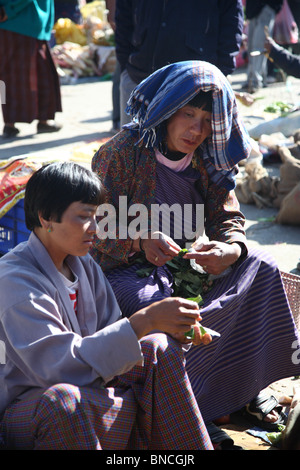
[248, 305]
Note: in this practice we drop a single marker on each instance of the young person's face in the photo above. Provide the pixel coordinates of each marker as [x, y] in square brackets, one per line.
[188, 128]
[74, 234]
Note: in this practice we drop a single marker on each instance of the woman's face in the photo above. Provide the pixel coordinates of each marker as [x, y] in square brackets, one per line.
[74, 234]
[188, 128]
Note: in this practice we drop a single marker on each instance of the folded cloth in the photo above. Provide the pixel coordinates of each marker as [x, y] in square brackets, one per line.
[13, 178]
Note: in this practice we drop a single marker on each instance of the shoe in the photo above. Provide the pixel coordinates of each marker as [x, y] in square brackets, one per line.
[260, 407]
[44, 128]
[9, 131]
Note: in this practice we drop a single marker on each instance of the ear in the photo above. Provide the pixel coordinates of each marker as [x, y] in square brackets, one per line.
[46, 224]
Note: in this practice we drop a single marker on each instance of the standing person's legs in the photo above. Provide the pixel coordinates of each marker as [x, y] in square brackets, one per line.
[16, 53]
[250, 41]
[31, 80]
[126, 87]
[47, 88]
[257, 66]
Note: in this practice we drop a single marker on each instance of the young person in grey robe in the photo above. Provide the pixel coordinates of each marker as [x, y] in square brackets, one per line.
[74, 374]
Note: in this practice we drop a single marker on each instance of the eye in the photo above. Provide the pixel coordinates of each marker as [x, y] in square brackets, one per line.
[86, 215]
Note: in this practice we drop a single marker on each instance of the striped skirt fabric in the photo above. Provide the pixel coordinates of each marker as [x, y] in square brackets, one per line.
[248, 307]
[151, 407]
[32, 89]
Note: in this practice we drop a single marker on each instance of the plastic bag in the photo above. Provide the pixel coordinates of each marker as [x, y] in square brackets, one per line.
[285, 27]
[67, 30]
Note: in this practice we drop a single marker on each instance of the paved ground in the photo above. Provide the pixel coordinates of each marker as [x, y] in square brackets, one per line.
[86, 117]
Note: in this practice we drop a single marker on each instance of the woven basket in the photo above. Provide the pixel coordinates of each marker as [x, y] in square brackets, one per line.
[292, 287]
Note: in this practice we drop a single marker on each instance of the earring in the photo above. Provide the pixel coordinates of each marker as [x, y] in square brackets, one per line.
[49, 230]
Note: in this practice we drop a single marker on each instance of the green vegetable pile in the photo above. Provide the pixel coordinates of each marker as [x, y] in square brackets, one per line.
[276, 437]
[187, 282]
[278, 107]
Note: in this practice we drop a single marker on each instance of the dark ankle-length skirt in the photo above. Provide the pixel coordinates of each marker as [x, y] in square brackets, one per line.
[259, 343]
[30, 83]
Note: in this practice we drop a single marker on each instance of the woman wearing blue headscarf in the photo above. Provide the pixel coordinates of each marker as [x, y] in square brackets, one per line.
[181, 151]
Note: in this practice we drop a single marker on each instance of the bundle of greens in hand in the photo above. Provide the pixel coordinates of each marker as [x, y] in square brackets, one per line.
[187, 283]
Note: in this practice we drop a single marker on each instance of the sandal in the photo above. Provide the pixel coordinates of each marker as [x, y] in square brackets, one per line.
[260, 407]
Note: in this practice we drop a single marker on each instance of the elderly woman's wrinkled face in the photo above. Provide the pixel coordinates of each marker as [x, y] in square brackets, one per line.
[188, 128]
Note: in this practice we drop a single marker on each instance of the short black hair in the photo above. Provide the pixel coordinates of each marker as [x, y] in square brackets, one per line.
[52, 188]
[203, 100]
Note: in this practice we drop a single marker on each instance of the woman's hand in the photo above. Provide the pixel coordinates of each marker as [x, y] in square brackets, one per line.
[197, 339]
[215, 257]
[159, 248]
[173, 315]
[244, 98]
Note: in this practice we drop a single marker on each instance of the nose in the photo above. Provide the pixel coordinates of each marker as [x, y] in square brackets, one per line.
[93, 225]
[197, 126]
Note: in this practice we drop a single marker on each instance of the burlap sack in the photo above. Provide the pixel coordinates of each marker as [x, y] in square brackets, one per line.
[289, 175]
[289, 213]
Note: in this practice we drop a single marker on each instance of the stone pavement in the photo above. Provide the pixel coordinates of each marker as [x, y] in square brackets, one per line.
[86, 117]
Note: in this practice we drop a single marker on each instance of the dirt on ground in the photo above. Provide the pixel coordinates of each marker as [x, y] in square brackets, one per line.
[238, 426]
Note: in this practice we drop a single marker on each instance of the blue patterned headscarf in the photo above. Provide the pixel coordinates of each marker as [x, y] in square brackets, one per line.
[170, 88]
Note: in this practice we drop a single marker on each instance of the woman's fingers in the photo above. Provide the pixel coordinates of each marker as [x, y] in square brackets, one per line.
[194, 336]
[161, 249]
[174, 314]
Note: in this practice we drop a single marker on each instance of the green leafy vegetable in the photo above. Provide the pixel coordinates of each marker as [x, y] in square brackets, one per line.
[191, 333]
[187, 282]
[278, 107]
[276, 436]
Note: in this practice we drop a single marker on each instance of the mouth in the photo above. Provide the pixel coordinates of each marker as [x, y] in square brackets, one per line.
[190, 143]
[89, 241]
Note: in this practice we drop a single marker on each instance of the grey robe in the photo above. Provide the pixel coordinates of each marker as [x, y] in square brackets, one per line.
[45, 343]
